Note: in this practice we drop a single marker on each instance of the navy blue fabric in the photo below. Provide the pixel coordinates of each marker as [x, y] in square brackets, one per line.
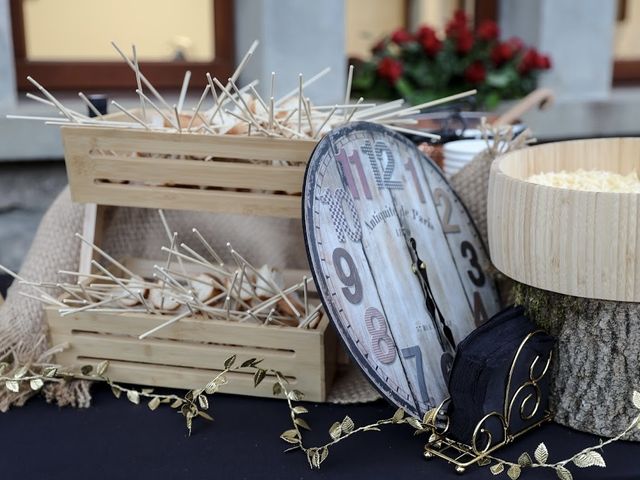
[115, 439]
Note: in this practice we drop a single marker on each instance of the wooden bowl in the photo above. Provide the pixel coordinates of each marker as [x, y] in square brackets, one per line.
[572, 242]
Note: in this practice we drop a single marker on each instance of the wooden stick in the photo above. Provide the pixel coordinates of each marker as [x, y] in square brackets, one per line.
[165, 324]
[381, 108]
[199, 104]
[307, 321]
[156, 108]
[142, 77]
[177, 114]
[245, 60]
[433, 103]
[271, 107]
[216, 100]
[307, 110]
[51, 98]
[37, 289]
[93, 305]
[305, 288]
[299, 102]
[313, 79]
[183, 91]
[91, 106]
[272, 92]
[418, 133]
[138, 82]
[208, 246]
[347, 95]
[106, 255]
[196, 261]
[326, 120]
[354, 110]
[129, 114]
[122, 285]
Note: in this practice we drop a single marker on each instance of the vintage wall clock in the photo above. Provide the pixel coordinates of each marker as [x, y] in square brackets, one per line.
[400, 267]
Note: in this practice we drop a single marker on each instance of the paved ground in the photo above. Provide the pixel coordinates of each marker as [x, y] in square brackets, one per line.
[26, 190]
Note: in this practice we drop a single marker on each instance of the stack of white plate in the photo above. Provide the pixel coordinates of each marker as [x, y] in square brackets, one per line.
[460, 152]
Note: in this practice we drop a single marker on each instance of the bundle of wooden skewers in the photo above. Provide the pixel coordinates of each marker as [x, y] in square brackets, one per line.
[187, 284]
[238, 110]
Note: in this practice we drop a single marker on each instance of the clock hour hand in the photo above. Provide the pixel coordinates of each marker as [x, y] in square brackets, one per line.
[420, 269]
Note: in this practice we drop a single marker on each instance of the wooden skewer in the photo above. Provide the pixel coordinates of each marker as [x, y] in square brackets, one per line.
[305, 288]
[326, 120]
[299, 102]
[129, 114]
[311, 317]
[177, 113]
[165, 324]
[122, 285]
[93, 305]
[183, 91]
[216, 100]
[156, 108]
[354, 110]
[381, 108]
[142, 77]
[91, 106]
[271, 107]
[44, 101]
[433, 103]
[272, 92]
[307, 110]
[418, 133]
[106, 255]
[143, 108]
[347, 95]
[199, 104]
[245, 60]
[196, 261]
[37, 289]
[51, 98]
[208, 246]
[313, 79]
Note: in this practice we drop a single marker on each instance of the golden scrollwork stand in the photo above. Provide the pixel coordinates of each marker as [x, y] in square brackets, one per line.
[483, 443]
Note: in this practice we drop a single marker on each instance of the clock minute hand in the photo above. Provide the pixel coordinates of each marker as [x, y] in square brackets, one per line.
[420, 269]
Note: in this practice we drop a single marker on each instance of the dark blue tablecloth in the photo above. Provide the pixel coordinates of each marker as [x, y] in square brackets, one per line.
[115, 439]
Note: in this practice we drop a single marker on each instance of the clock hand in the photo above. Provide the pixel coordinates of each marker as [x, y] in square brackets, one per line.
[420, 270]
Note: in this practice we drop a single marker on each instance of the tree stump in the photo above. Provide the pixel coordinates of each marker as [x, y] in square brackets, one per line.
[597, 359]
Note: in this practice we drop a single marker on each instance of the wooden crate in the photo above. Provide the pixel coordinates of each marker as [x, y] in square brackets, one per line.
[189, 353]
[242, 175]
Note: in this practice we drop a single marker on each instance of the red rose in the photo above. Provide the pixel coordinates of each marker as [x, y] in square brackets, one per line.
[516, 44]
[543, 62]
[528, 61]
[457, 24]
[464, 41]
[488, 30]
[429, 40]
[401, 36]
[390, 69]
[475, 73]
[501, 52]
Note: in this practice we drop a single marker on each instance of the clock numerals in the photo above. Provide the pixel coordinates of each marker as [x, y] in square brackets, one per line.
[476, 275]
[415, 352]
[345, 162]
[447, 227]
[382, 345]
[409, 166]
[336, 201]
[479, 312]
[349, 279]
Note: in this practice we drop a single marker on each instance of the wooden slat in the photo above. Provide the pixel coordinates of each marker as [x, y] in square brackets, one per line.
[198, 172]
[222, 146]
[244, 203]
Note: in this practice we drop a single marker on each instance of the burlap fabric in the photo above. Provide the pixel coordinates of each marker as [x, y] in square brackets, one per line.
[139, 233]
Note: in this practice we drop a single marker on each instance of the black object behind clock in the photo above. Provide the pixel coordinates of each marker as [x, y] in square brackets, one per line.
[399, 265]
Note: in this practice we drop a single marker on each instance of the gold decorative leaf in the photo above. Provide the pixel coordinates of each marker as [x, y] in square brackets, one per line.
[414, 422]
[525, 460]
[302, 423]
[316, 459]
[541, 454]
[205, 415]
[259, 376]
[22, 371]
[514, 472]
[3, 367]
[589, 459]
[563, 473]
[277, 389]
[211, 387]
[203, 401]
[116, 391]
[49, 372]
[228, 363]
[248, 363]
[300, 410]
[290, 436]
[177, 403]
[154, 403]
[86, 369]
[324, 453]
[12, 386]
[636, 399]
[497, 469]
[295, 395]
[147, 391]
[483, 462]
[398, 416]
[102, 367]
[347, 424]
[430, 416]
[335, 432]
[133, 396]
[36, 384]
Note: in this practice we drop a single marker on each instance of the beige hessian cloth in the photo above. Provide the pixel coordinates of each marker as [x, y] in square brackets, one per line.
[139, 233]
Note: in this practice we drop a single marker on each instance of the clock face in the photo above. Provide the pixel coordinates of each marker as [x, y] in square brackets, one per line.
[399, 265]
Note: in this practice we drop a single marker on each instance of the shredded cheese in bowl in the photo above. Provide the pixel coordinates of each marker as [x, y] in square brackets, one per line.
[589, 180]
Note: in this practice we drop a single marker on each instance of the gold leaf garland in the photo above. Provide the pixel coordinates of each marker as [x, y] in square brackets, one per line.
[195, 404]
